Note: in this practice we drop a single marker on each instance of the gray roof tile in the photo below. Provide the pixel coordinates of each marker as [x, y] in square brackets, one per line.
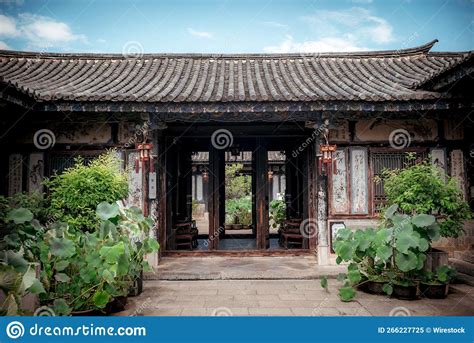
[366, 76]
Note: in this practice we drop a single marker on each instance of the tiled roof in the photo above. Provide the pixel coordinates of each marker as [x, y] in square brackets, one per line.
[195, 78]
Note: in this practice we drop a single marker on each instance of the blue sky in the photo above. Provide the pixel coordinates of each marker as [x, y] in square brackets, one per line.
[234, 26]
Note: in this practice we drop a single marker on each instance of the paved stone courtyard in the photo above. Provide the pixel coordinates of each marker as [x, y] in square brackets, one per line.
[271, 286]
[242, 268]
[282, 298]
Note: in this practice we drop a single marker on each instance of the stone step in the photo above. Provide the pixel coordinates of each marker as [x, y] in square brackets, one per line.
[467, 256]
[462, 266]
[464, 278]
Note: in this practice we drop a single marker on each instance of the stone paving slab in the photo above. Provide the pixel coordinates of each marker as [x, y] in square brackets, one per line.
[283, 298]
[242, 268]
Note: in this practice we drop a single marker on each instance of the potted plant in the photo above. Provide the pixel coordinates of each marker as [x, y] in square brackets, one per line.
[231, 213]
[83, 271]
[132, 228]
[436, 285]
[424, 188]
[405, 289]
[244, 212]
[389, 259]
[375, 284]
[277, 213]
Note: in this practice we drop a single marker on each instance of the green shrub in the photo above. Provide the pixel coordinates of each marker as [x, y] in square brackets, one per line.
[239, 211]
[421, 189]
[236, 185]
[75, 193]
[277, 212]
[34, 202]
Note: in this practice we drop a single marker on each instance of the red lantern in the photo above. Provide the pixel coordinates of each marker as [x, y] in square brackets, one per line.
[327, 150]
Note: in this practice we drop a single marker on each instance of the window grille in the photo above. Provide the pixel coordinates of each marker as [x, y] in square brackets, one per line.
[389, 160]
[58, 162]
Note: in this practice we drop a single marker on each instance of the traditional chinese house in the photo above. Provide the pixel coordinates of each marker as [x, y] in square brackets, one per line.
[334, 121]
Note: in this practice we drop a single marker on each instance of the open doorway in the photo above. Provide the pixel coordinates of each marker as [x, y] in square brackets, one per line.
[254, 195]
[199, 191]
[239, 230]
[276, 190]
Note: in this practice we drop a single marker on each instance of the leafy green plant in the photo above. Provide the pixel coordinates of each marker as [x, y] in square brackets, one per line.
[395, 252]
[17, 266]
[34, 202]
[277, 212]
[239, 211]
[442, 276]
[86, 270]
[129, 225]
[421, 189]
[237, 185]
[75, 193]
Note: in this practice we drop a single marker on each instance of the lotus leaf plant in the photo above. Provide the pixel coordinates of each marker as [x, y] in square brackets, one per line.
[18, 268]
[395, 252]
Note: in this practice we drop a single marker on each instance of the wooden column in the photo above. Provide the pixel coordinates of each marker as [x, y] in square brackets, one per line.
[261, 195]
[215, 198]
[322, 215]
[170, 177]
[311, 194]
[188, 181]
[162, 192]
[290, 180]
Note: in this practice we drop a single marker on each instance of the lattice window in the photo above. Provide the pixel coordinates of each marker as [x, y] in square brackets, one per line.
[58, 162]
[391, 161]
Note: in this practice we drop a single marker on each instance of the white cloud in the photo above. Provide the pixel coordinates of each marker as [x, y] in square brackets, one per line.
[199, 34]
[362, 1]
[38, 31]
[275, 24]
[328, 44]
[380, 33]
[7, 26]
[4, 46]
[44, 32]
[356, 24]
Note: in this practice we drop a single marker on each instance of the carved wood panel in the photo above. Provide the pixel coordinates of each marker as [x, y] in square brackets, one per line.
[134, 180]
[457, 170]
[35, 172]
[15, 174]
[438, 159]
[339, 184]
[359, 181]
